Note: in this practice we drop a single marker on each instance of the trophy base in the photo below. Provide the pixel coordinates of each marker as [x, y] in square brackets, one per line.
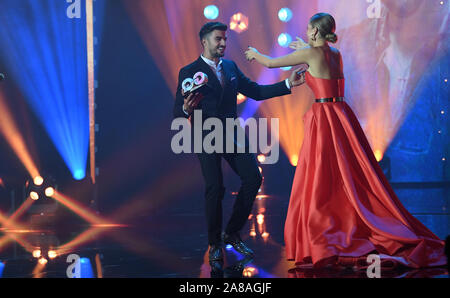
[198, 88]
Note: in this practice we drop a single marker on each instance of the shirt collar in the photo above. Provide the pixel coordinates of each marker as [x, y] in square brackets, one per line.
[211, 62]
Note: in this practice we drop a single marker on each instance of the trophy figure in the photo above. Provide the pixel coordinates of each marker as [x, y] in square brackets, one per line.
[196, 83]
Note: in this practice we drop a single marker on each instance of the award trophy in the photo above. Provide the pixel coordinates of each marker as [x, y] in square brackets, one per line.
[197, 83]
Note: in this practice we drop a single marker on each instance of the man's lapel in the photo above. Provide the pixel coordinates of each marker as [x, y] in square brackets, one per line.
[213, 81]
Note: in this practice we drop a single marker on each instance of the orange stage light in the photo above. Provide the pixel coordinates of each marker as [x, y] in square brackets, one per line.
[21, 210]
[241, 98]
[37, 271]
[52, 254]
[12, 135]
[34, 195]
[239, 22]
[378, 154]
[249, 271]
[294, 160]
[49, 191]
[38, 180]
[43, 261]
[9, 223]
[36, 253]
[261, 158]
[260, 219]
[78, 209]
[22, 242]
[173, 49]
[80, 239]
[4, 241]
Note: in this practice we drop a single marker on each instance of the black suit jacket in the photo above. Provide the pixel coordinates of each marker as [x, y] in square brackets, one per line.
[221, 102]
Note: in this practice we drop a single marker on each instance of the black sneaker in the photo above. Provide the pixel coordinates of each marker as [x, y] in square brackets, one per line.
[217, 270]
[235, 241]
[215, 253]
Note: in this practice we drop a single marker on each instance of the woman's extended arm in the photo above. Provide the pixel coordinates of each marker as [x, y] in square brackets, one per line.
[295, 58]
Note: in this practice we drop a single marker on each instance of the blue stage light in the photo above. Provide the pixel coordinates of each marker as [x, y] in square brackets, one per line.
[284, 39]
[285, 14]
[79, 174]
[86, 268]
[211, 12]
[53, 75]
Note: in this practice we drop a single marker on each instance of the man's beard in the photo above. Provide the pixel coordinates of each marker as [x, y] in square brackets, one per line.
[217, 54]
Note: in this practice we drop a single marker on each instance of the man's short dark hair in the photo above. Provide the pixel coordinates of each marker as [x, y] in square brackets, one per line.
[210, 27]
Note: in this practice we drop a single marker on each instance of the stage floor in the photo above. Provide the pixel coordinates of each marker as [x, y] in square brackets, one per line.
[165, 245]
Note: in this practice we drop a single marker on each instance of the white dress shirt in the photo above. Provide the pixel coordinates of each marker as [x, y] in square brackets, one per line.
[216, 68]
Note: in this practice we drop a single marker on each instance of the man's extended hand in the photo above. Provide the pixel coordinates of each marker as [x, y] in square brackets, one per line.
[295, 79]
[191, 102]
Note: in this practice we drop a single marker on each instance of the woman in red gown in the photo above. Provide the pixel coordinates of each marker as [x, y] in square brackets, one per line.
[341, 206]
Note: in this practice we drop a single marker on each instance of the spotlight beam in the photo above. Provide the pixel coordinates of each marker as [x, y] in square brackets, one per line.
[22, 209]
[37, 271]
[80, 239]
[123, 213]
[8, 223]
[78, 209]
[12, 229]
[52, 77]
[15, 139]
[5, 240]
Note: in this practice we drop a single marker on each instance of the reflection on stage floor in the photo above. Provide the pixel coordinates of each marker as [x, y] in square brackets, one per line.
[164, 245]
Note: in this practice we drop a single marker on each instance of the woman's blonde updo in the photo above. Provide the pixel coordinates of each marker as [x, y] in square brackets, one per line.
[326, 25]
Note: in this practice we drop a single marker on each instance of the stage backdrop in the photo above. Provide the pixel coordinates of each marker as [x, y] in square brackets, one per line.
[395, 62]
[396, 67]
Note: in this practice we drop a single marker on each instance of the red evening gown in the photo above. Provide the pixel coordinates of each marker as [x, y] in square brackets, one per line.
[341, 204]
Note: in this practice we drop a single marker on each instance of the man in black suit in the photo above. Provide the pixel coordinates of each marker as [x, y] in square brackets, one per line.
[219, 100]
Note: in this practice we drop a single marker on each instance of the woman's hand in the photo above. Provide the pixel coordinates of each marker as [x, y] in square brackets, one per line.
[251, 53]
[299, 44]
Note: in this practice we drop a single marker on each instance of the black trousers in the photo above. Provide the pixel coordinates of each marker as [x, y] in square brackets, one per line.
[246, 167]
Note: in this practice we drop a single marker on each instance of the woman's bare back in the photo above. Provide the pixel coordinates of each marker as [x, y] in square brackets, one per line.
[326, 63]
